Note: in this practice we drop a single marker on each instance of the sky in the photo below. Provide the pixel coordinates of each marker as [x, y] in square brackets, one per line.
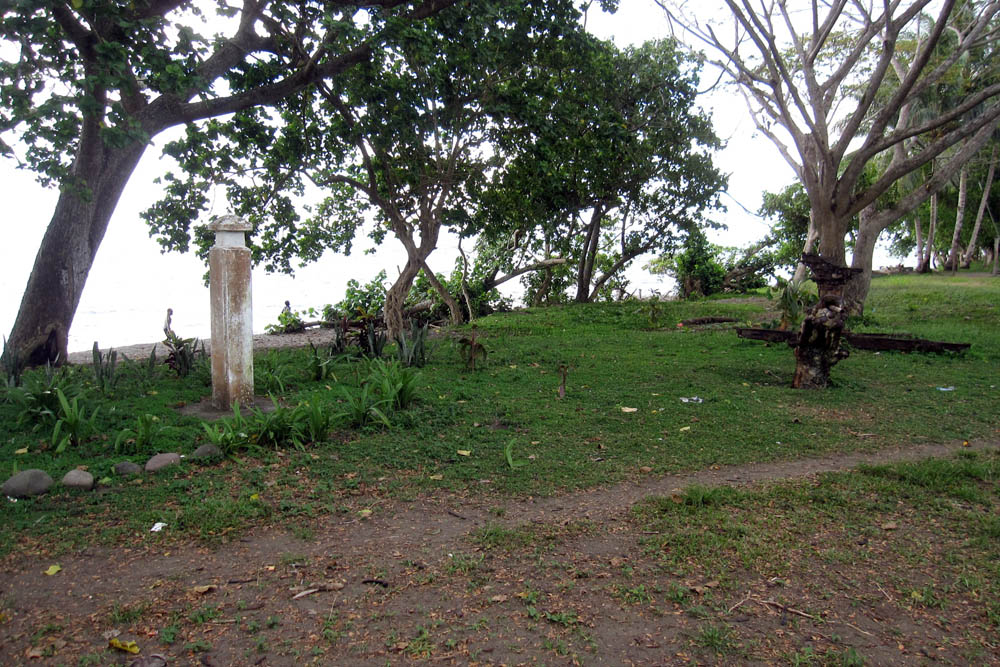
[132, 284]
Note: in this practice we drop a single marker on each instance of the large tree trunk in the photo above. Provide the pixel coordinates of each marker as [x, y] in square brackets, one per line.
[953, 253]
[996, 255]
[924, 264]
[67, 251]
[395, 297]
[856, 290]
[983, 201]
[818, 347]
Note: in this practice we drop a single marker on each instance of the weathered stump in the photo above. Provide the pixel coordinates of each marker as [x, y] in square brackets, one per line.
[818, 348]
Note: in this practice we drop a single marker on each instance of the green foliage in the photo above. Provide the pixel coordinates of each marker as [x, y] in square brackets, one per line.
[272, 373]
[372, 341]
[183, 353]
[274, 428]
[72, 425]
[321, 361]
[411, 346]
[789, 210]
[793, 301]
[697, 267]
[142, 437]
[288, 322]
[105, 367]
[37, 400]
[364, 407]
[364, 301]
[394, 382]
[314, 420]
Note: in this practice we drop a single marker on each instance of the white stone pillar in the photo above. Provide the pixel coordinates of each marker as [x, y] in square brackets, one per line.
[232, 314]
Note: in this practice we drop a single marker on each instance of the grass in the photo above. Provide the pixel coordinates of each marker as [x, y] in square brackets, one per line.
[926, 529]
[622, 418]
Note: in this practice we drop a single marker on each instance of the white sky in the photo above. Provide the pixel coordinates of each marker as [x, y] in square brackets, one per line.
[131, 279]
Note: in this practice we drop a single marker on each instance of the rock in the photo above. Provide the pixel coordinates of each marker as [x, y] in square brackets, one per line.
[207, 452]
[78, 479]
[127, 469]
[161, 461]
[27, 483]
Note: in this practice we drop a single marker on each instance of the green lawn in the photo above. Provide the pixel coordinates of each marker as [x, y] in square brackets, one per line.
[502, 428]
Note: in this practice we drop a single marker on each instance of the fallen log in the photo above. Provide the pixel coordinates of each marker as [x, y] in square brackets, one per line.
[697, 321]
[861, 341]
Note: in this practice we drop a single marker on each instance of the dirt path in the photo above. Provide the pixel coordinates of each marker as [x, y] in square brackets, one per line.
[414, 582]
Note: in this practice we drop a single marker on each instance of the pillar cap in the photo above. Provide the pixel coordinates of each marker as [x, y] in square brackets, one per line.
[230, 223]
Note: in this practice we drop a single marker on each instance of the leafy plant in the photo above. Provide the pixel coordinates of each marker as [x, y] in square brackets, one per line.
[793, 301]
[372, 341]
[230, 434]
[105, 367]
[147, 429]
[364, 300]
[321, 362]
[394, 382]
[275, 427]
[36, 398]
[183, 352]
[314, 421]
[411, 347]
[272, 374]
[72, 425]
[289, 321]
[697, 267]
[364, 407]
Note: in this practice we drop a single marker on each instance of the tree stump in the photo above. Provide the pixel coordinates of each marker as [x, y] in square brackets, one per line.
[818, 349]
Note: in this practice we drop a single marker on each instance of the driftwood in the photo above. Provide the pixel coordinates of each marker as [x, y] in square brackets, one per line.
[859, 341]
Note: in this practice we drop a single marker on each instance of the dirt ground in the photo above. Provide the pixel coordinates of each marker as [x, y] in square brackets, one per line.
[420, 581]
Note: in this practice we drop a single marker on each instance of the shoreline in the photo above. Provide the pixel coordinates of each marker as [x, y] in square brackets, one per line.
[140, 351]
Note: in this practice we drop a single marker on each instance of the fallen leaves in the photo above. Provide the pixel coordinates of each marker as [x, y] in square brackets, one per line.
[53, 569]
[630, 409]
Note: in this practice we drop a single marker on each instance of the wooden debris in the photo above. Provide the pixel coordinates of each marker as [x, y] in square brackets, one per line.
[870, 342]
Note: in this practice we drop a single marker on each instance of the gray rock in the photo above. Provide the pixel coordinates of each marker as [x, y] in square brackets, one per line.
[161, 461]
[78, 479]
[27, 483]
[207, 452]
[127, 469]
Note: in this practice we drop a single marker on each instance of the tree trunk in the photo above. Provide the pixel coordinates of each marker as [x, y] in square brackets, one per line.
[588, 257]
[538, 299]
[67, 251]
[924, 266]
[856, 290]
[811, 236]
[395, 297]
[454, 309]
[983, 201]
[920, 240]
[953, 253]
[996, 254]
[818, 347]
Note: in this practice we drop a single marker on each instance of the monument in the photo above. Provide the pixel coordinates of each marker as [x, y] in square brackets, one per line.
[232, 314]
